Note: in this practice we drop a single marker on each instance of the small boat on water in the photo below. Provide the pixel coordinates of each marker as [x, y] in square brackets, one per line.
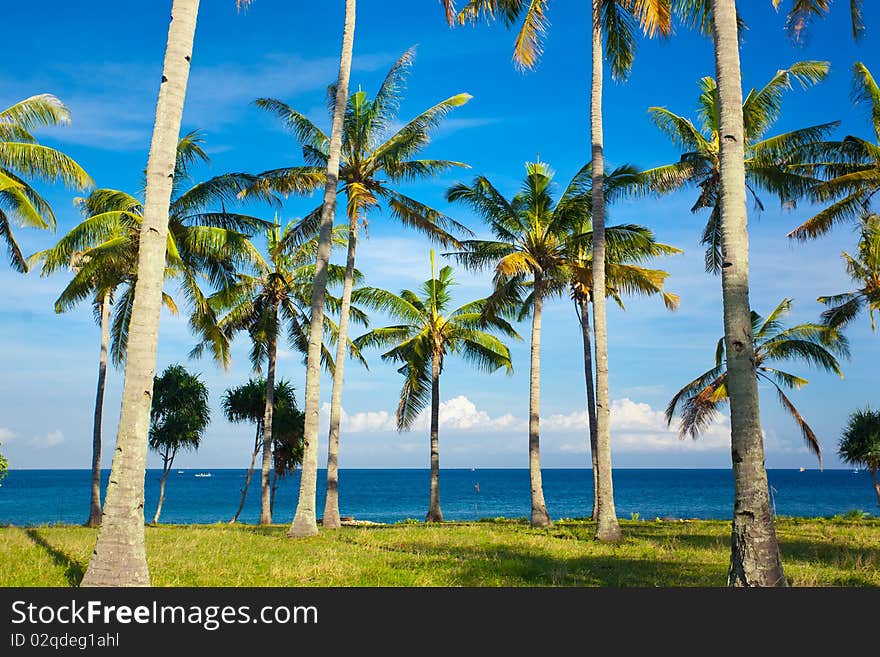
[180, 472]
[202, 474]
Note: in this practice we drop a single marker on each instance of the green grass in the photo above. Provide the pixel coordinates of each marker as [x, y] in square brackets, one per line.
[816, 552]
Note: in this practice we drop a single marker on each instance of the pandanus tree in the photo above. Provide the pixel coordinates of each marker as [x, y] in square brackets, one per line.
[429, 331]
[864, 270]
[629, 248]
[120, 556]
[615, 24]
[860, 443]
[849, 170]
[772, 163]
[179, 417]
[205, 243]
[247, 403]
[270, 299]
[376, 157]
[23, 160]
[697, 403]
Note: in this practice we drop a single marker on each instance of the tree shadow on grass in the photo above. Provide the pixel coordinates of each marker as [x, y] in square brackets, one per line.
[73, 569]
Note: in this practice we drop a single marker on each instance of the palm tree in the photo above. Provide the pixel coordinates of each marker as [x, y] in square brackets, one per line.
[697, 403]
[179, 417]
[266, 303]
[23, 158]
[802, 12]
[203, 242]
[374, 157]
[770, 163]
[614, 24]
[428, 332]
[247, 403]
[119, 558]
[625, 275]
[850, 168]
[754, 553]
[287, 436]
[860, 443]
[864, 270]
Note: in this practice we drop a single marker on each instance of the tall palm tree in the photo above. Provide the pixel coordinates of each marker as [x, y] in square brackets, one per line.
[614, 26]
[429, 332]
[247, 403]
[119, 558]
[697, 403]
[305, 521]
[771, 162]
[624, 275]
[849, 169]
[179, 417]
[375, 158]
[204, 242]
[266, 303]
[864, 270]
[23, 159]
[754, 553]
[860, 443]
[803, 12]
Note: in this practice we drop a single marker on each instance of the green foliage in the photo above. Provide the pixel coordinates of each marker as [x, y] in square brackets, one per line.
[4, 466]
[22, 160]
[180, 413]
[813, 344]
[860, 443]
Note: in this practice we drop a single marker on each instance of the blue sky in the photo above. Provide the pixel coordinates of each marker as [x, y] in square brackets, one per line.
[105, 63]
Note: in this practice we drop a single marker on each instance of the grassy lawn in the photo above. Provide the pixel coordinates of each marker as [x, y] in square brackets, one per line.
[816, 552]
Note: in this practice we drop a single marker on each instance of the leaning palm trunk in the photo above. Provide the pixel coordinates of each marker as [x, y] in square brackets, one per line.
[166, 468]
[754, 557]
[540, 517]
[331, 502]
[268, 464]
[583, 306]
[250, 473]
[95, 505]
[876, 483]
[434, 512]
[120, 556]
[305, 521]
[607, 528]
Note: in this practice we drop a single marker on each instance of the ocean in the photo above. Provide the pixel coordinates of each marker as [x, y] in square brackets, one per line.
[34, 497]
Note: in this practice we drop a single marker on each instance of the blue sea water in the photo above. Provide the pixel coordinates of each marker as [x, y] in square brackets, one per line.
[32, 497]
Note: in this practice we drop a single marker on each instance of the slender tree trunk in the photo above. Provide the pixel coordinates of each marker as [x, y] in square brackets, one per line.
[434, 512]
[540, 517]
[167, 462]
[304, 521]
[876, 483]
[754, 557]
[120, 556]
[607, 528]
[250, 472]
[274, 488]
[331, 501]
[268, 465]
[95, 504]
[583, 305]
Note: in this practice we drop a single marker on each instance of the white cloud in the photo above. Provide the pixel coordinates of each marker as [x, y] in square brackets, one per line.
[6, 435]
[51, 439]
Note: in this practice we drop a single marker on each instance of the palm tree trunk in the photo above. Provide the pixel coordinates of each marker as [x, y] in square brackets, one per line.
[305, 521]
[607, 528]
[166, 467]
[583, 306]
[274, 488]
[876, 483]
[754, 558]
[268, 465]
[250, 472]
[95, 504]
[120, 556]
[434, 512]
[331, 501]
[540, 517]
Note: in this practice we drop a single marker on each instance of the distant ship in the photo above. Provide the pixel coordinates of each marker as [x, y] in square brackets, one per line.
[202, 474]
